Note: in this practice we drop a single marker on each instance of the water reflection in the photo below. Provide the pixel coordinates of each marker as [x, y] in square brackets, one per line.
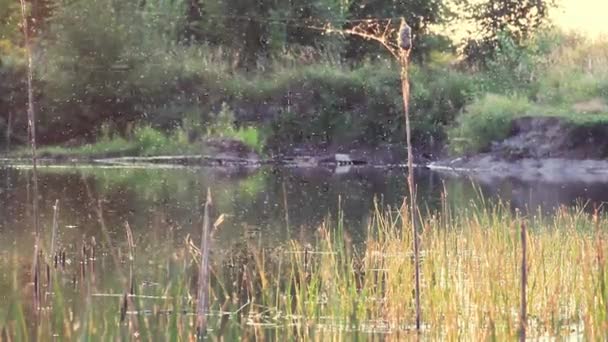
[272, 205]
[263, 210]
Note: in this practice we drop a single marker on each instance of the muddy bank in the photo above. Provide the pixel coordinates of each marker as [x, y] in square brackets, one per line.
[550, 137]
[223, 152]
[551, 170]
[546, 149]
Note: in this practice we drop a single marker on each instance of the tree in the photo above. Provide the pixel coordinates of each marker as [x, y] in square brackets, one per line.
[102, 63]
[254, 29]
[9, 24]
[503, 20]
[234, 24]
[419, 14]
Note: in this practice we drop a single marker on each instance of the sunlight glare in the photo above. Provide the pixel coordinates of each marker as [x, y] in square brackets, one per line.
[585, 16]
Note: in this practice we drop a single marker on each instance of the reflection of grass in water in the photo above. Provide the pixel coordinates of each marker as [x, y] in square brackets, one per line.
[254, 184]
[149, 184]
[470, 290]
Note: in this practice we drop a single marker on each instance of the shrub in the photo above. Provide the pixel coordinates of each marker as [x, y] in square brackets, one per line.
[13, 99]
[223, 125]
[250, 136]
[150, 141]
[485, 120]
[332, 104]
[112, 60]
[575, 71]
[438, 95]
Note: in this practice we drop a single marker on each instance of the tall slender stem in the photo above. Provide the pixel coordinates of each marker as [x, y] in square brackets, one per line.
[9, 129]
[524, 283]
[203, 275]
[31, 120]
[405, 87]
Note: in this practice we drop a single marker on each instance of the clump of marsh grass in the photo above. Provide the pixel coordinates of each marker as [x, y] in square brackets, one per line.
[470, 262]
[472, 274]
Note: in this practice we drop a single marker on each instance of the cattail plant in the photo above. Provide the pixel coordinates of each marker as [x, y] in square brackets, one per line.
[400, 48]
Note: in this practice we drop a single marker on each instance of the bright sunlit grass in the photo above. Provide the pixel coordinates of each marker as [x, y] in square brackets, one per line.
[470, 266]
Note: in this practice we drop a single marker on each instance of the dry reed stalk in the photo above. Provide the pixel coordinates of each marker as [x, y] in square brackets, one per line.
[285, 206]
[55, 228]
[383, 34]
[601, 263]
[203, 275]
[524, 282]
[124, 307]
[31, 120]
[405, 86]
[9, 132]
[104, 229]
[130, 241]
[131, 257]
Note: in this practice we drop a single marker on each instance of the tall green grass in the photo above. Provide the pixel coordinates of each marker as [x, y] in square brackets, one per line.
[144, 141]
[556, 75]
[487, 119]
[332, 288]
[470, 269]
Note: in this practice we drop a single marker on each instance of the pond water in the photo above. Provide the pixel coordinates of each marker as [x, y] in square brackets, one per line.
[269, 206]
[274, 204]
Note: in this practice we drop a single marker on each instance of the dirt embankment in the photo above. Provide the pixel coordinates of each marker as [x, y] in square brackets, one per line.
[549, 137]
[541, 148]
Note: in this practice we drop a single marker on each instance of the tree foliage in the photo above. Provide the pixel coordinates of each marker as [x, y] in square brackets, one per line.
[267, 27]
[503, 20]
[9, 27]
[160, 61]
[419, 14]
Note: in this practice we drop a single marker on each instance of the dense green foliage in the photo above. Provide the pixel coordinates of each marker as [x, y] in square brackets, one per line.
[552, 75]
[173, 65]
[486, 119]
[505, 21]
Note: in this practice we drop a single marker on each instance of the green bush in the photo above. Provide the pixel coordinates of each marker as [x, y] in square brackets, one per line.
[333, 104]
[223, 126]
[485, 120]
[13, 99]
[546, 76]
[250, 136]
[145, 141]
[575, 71]
[438, 95]
[150, 141]
[112, 60]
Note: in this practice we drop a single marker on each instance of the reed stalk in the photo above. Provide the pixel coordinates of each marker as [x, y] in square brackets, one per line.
[405, 88]
[55, 228]
[385, 36]
[524, 283]
[31, 120]
[203, 275]
[9, 132]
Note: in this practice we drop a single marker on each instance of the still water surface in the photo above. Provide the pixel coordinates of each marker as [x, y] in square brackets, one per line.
[163, 206]
[275, 205]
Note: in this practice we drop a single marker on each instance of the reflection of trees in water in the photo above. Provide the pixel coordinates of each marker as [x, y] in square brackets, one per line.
[5, 196]
[253, 203]
[530, 196]
[156, 200]
[313, 196]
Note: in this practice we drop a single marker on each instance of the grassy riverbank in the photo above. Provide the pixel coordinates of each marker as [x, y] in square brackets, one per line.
[149, 141]
[90, 103]
[332, 289]
[565, 77]
[177, 67]
[330, 102]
